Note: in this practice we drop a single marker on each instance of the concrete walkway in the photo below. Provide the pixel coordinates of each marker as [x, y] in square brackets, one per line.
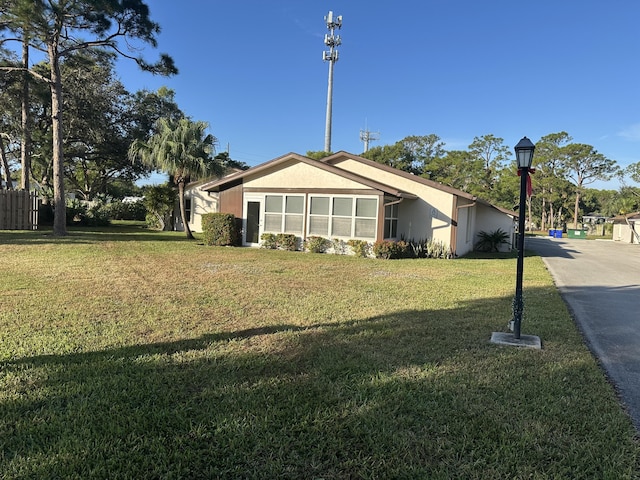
[600, 282]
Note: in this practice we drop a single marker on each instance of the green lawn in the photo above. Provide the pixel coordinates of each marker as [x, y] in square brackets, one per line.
[132, 354]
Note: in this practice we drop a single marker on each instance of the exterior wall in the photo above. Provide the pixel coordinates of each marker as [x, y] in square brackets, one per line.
[623, 233]
[298, 174]
[231, 201]
[201, 203]
[418, 219]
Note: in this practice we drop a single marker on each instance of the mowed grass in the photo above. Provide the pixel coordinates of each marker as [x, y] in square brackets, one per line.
[132, 354]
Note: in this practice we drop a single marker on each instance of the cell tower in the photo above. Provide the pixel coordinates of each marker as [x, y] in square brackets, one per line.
[366, 136]
[332, 41]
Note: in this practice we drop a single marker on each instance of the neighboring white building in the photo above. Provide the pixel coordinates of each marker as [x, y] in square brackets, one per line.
[626, 228]
[197, 203]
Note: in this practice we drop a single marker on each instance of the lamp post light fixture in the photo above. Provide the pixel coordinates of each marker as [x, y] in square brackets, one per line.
[524, 155]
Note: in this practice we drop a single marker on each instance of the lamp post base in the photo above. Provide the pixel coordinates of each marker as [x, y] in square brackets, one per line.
[527, 341]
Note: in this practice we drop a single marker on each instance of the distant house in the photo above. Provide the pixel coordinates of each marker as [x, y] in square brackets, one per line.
[626, 228]
[197, 202]
[345, 196]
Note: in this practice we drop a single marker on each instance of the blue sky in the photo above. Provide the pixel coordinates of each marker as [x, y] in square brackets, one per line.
[459, 69]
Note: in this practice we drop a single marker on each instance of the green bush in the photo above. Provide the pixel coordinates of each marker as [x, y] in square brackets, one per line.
[98, 215]
[360, 248]
[268, 240]
[219, 229]
[317, 244]
[339, 246]
[388, 249]
[76, 212]
[93, 214]
[281, 241]
[287, 241]
[119, 210]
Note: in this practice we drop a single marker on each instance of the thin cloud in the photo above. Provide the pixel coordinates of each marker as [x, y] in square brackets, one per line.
[632, 132]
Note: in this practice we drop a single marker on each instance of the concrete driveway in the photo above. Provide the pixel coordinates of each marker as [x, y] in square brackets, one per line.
[600, 282]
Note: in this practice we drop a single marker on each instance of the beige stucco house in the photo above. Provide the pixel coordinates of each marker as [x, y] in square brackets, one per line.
[345, 196]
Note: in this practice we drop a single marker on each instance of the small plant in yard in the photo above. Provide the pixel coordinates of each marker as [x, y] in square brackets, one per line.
[360, 248]
[268, 240]
[388, 249]
[317, 244]
[339, 246]
[279, 241]
[437, 249]
[491, 241]
[287, 241]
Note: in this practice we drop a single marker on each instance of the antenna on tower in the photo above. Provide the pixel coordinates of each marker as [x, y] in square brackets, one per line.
[332, 41]
[366, 136]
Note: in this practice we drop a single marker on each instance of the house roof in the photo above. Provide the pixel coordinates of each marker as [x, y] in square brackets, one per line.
[203, 181]
[237, 178]
[330, 163]
[631, 217]
[342, 155]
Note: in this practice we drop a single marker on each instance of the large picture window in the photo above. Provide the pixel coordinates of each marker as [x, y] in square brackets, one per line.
[284, 214]
[346, 217]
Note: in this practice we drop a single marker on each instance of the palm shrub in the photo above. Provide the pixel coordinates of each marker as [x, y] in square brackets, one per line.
[491, 241]
[183, 149]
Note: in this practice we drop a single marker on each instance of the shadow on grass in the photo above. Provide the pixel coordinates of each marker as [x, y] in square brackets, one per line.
[412, 394]
[88, 235]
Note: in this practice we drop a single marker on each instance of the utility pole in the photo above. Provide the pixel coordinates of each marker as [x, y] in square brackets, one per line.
[332, 41]
[366, 136]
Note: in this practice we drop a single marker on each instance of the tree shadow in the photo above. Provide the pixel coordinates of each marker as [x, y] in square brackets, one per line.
[86, 235]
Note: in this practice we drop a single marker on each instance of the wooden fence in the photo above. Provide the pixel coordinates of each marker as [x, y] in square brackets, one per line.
[18, 210]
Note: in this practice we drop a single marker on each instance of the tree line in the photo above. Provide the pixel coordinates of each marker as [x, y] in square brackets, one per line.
[563, 170]
[71, 121]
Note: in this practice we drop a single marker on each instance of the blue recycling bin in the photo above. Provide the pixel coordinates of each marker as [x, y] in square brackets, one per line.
[558, 234]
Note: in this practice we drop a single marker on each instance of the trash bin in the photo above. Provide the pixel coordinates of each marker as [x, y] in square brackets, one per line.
[557, 234]
[552, 233]
[575, 233]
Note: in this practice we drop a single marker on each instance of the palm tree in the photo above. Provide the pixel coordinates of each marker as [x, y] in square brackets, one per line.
[182, 149]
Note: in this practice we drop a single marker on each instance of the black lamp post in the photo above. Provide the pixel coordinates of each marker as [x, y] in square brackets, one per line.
[524, 154]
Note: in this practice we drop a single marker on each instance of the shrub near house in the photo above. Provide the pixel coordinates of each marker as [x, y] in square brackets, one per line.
[219, 229]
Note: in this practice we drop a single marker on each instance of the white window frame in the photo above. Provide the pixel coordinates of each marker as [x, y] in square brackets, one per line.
[284, 214]
[330, 216]
[391, 218]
